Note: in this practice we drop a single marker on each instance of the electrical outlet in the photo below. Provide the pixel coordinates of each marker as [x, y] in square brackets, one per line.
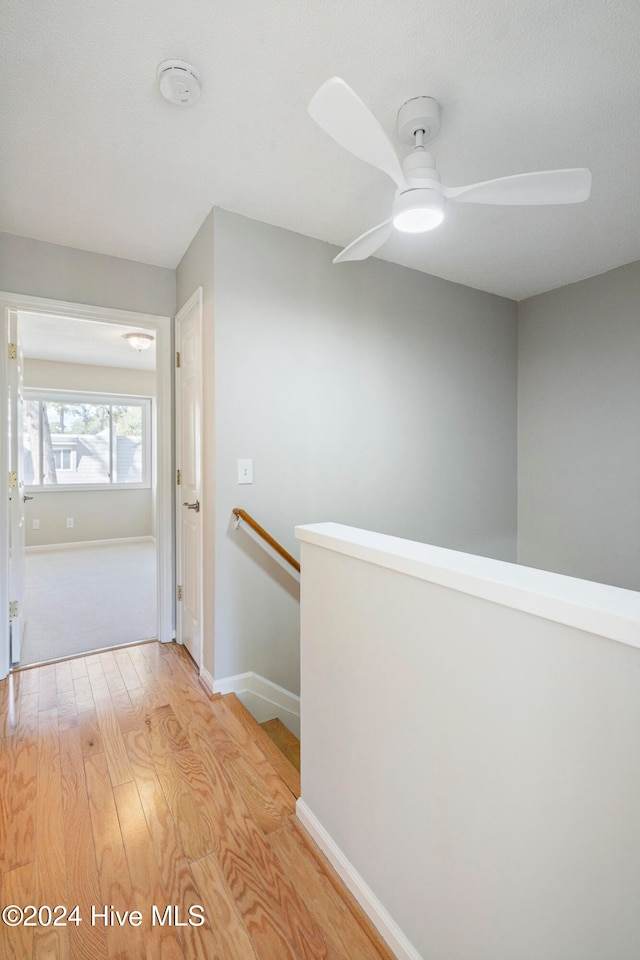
[35, 524]
[69, 521]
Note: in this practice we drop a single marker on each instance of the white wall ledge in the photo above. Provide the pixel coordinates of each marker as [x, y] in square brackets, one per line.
[597, 608]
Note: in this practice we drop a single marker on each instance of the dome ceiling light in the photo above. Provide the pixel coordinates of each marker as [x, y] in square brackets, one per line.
[139, 341]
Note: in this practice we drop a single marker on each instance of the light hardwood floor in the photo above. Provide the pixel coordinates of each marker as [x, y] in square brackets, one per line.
[123, 785]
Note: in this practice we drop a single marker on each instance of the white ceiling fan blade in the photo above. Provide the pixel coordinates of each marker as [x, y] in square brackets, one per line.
[345, 117]
[366, 244]
[544, 187]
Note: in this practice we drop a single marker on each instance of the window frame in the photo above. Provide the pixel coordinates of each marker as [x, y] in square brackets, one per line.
[106, 399]
[72, 458]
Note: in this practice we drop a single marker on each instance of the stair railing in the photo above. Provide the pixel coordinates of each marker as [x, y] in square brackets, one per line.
[240, 514]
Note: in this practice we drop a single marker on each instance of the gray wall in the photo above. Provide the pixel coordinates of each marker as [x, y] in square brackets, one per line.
[97, 515]
[77, 276]
[579, 429]
[196, 270]
[57, 375]
[366, 394]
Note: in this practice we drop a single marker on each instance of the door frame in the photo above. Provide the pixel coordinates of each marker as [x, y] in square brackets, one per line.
[196, 299]
[162, 469]
[17, 518]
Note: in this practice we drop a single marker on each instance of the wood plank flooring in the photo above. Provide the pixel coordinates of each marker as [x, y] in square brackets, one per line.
[123, 788]
[284, 740]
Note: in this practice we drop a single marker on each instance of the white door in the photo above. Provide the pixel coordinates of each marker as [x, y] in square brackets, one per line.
[189, 476]
[16, 489]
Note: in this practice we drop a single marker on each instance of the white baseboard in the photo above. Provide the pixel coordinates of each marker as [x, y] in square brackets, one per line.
[236, 684]
[207, 681]
[384, 923]
[78, 544]
[263, 699]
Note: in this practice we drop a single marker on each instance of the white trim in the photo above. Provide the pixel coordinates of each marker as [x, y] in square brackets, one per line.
[382, 920]
[84, 487]
[236, 684]
[162, 472]
[162, 417]
[4, 507]
[272, 693]
[261, 687]
[263, 698]
[81, 311]
[593, 607]
[207, 680]
[79, 544]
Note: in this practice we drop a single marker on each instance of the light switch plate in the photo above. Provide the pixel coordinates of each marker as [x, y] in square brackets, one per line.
[245, 471]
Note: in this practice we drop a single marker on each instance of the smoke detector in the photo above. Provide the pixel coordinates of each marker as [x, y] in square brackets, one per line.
[179, 82]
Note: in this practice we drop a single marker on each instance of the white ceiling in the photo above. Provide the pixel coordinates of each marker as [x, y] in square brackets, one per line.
[69, 340]
[93, 157]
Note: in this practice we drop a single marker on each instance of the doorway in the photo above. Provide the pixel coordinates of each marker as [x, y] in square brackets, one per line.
[97, 463]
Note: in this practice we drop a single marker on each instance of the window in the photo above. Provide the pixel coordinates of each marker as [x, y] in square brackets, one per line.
[62, 458]
[85, 440]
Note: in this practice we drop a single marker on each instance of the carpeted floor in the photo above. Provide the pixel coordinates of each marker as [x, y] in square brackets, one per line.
[87, 598]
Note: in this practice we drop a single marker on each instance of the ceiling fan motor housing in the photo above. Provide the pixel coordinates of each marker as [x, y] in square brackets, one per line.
[419, 169]
[420, 113]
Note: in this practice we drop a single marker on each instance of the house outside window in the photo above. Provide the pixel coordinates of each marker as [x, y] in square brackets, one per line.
[63, 459]
[86, 441]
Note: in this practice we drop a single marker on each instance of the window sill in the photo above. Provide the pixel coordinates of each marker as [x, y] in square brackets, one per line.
[82, 488]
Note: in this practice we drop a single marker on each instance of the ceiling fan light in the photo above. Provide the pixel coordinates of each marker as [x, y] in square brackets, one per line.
[416, 211]
[139, 341]
[418, 220]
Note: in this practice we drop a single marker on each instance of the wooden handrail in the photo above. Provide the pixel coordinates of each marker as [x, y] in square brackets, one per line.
[243, 515]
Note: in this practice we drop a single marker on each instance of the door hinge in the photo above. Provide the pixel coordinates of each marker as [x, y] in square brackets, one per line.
[178, 593]
[13, 479]
[178, 359]
[12, 351]
[178, 477]
[13, 609]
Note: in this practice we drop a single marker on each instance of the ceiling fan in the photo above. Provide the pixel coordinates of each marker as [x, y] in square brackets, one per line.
[420, 199]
